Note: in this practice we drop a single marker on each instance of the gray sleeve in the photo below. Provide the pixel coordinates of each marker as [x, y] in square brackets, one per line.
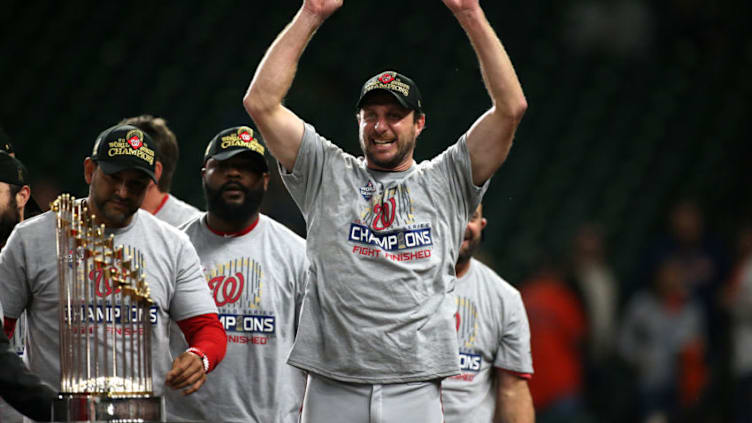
[305, 181]
[513, 352]
[14, 290]
[192, 296]
[454, 162]
[301, 281]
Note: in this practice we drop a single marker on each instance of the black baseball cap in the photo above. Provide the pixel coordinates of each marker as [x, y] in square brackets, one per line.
[12, 171]
[125, 147]
[400, 86]
[233, 141]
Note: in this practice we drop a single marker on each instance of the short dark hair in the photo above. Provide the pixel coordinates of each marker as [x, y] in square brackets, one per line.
[165, 142]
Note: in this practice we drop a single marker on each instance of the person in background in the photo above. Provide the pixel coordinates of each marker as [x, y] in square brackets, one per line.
[256, 269]
[494, 338]
[158, 199]
[663, 337]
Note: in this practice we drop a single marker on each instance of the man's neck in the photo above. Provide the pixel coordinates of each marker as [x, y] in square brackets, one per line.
[154, 199]
[461, 268]
[220, 226]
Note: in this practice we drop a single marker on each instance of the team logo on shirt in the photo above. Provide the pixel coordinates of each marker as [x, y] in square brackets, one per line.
[466, 320]
[367, 191]
[387, 228]
[237, 287]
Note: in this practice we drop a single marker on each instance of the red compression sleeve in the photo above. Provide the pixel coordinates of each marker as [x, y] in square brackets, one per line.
[206, 333]
[9, 325]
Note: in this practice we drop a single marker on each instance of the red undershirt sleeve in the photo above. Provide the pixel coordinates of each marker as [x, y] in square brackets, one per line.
[526, 376]
[9, 325]
[206, 333]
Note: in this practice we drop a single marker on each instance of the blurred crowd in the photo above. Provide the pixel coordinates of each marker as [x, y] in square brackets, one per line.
[672, 345]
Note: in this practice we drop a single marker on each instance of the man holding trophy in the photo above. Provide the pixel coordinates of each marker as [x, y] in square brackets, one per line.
[132, 275]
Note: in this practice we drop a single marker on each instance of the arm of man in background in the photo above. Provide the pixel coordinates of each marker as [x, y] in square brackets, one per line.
[20, 388]
[207, 345]
[490, 137]
[514, 404]
[281, 129]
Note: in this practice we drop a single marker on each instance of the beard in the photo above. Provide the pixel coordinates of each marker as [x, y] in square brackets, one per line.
[115, 217]
[232, 212]
[466, 254]
[8, 220]
[403, 149]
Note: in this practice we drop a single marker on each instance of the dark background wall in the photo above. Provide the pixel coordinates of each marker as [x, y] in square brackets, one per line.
[632, 104]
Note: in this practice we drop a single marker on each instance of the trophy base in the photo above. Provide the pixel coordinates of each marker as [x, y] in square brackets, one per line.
[94, 408]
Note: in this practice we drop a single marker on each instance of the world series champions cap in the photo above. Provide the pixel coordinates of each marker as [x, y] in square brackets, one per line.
[233, 141]
[400, 86]
[125, 147]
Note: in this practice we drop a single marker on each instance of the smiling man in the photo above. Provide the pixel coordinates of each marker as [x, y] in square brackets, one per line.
[377, 328]
[118, 172]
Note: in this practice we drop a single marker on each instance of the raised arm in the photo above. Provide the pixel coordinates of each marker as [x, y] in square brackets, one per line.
[490, 137]
[281, 129]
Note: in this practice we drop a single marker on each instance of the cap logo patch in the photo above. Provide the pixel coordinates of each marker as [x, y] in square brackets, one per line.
[393, 85]
[245, 135]
[386, 78]
[131, 145]
[134, 138]
[243, 138]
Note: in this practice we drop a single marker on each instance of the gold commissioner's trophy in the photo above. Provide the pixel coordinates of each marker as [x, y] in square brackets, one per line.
[105, 328]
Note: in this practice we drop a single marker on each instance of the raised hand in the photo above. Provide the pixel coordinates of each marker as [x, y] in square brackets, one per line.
[457, 6]
[322, 8]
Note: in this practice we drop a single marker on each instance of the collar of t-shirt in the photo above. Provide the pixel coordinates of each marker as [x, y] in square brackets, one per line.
[239, 233]
[161, 204]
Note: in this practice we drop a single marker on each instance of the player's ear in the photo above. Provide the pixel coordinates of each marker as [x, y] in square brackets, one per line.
[420, 122]
[267, 178]
[22, 196]
[89, 167]
[157, 170]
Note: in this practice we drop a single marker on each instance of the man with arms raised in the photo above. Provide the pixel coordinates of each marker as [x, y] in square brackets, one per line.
[494, 339]
[118, 172]
[256, 270]
[377, 330]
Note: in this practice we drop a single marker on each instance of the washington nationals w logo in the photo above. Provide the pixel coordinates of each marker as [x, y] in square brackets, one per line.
[103, 285]
[227, 289]
[384, 214]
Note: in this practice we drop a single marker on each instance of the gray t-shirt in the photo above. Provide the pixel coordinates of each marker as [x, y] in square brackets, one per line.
[382, 247]
[493, 331]
[28, 264]
[176, 212]
[258, 281]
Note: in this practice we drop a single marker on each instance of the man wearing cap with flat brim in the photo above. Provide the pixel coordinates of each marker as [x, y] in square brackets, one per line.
[256, 270]
[118, 171]
[377, 327]
[15, 193]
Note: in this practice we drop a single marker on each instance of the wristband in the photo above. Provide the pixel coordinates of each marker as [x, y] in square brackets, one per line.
[202, 356]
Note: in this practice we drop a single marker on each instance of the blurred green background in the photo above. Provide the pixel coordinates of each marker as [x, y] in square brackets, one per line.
[632, 104]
